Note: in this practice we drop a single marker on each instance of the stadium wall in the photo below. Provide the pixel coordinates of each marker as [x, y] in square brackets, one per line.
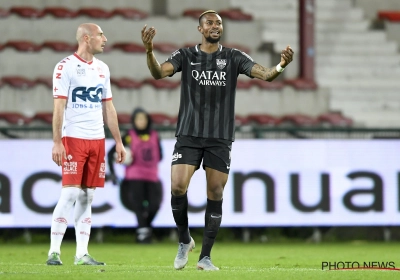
[271, 183]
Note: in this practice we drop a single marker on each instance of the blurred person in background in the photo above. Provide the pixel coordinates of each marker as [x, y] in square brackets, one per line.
[82, 105]
[141, 189]
[206, 122]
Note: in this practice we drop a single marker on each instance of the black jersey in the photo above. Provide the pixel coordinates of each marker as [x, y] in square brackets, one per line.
[208, 90]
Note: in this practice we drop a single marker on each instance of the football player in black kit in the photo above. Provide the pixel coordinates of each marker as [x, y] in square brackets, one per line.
[206, 122]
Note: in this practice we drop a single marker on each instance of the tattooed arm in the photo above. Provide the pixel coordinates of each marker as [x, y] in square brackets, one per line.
[269, 74]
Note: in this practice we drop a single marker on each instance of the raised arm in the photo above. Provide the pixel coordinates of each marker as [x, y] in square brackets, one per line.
[157, 71]
[269, 74]
[111, 120]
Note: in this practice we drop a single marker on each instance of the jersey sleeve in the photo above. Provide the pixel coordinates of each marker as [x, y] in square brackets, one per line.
[107, 94]
[245, 63]
[61, 80]
[176, 59]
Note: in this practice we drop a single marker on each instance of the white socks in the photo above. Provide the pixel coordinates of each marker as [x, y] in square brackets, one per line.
[60, 216]
[83, 220]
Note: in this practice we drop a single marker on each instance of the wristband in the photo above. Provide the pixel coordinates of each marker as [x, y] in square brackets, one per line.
[279, 68]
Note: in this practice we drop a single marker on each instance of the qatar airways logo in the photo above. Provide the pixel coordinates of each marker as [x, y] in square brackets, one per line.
[210, 78]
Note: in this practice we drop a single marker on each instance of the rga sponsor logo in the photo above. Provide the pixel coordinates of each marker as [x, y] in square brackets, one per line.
[210, 78]
[92, 94]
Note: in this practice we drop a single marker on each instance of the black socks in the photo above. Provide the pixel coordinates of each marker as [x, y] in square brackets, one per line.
[179, 206]
[212, 219]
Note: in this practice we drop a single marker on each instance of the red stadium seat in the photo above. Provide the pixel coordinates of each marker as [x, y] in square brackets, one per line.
[95, 13]
[27, 12]
[162, 84]
[174, 120]
[393, 16]
[126, 83]
[194, 13]
[18, 82]
[298, 120]
[302, 84]
[275, 85]
[236, 46]
[334, 119]
[241, 84]
[46, 117]
[263, 119]
[47, 81]
[14, 118]
[130, 47]
[241, 120]
[59, 46]
[162, 119]
[130, 13]
[124, 118]
[4, 13]
[60, 12]
[23, 46]
[165, 47]
[235, 14]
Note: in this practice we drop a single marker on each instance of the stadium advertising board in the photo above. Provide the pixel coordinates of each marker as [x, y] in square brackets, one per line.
[271, 183]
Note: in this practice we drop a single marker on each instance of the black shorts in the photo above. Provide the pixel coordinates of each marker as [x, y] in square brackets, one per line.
[215, 153]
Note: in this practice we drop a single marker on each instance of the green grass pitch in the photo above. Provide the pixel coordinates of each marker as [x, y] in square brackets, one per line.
[236, 261]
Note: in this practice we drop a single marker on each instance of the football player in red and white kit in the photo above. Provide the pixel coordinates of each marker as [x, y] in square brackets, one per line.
[82, 104]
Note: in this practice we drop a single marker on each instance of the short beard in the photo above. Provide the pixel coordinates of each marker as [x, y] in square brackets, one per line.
[211, 40]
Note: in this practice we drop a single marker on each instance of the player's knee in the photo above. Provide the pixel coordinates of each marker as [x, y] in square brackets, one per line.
[215, 192]
[178, 190]
[178, 187]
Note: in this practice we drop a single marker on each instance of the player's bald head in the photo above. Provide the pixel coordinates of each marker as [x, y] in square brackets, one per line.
[85, 29]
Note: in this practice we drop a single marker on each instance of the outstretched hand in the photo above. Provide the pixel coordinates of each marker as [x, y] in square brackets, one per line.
[286, 56]
[147, 37]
